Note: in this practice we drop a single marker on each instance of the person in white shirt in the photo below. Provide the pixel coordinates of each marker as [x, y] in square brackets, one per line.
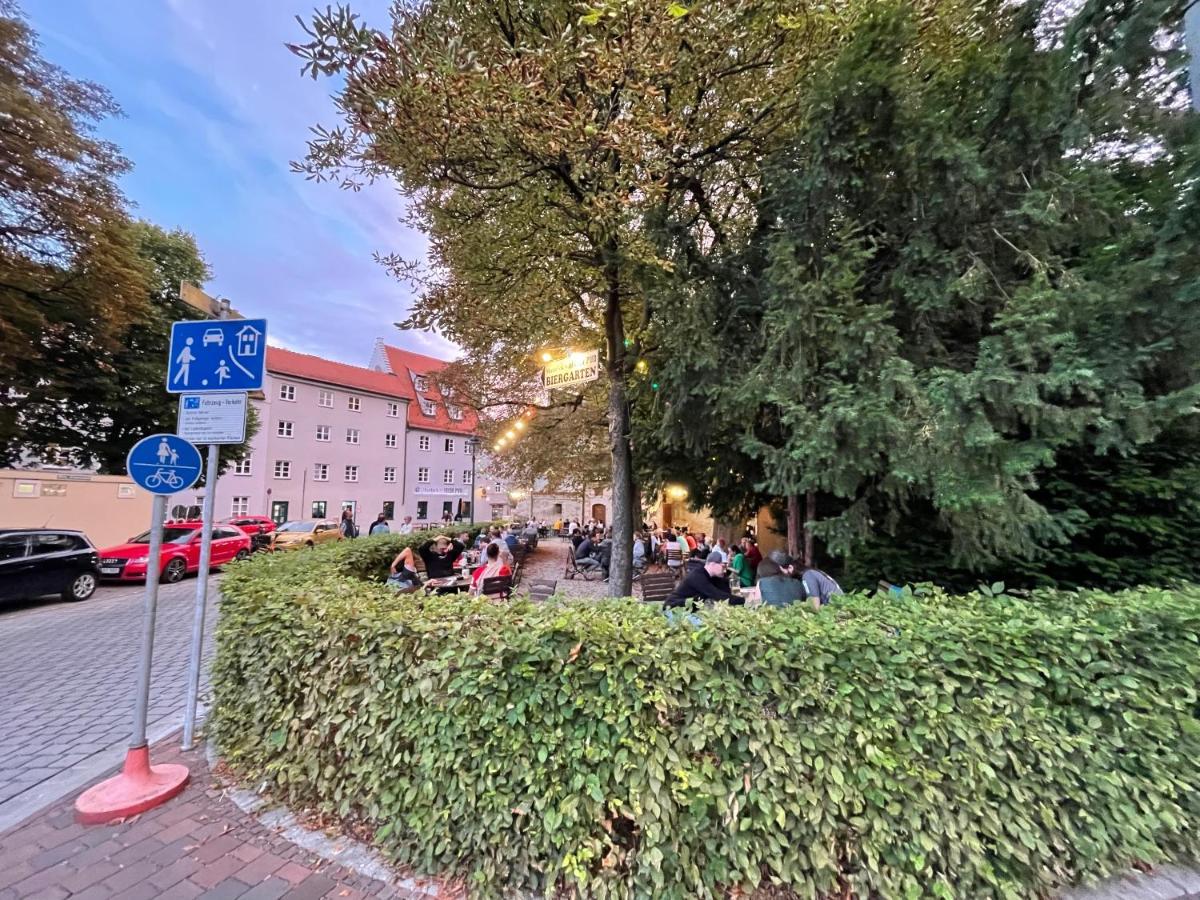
[406, 526]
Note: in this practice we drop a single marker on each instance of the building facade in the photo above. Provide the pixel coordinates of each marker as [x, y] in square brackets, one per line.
[331, 437]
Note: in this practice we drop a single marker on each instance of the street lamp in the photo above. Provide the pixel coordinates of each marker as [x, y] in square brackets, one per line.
[472, 448]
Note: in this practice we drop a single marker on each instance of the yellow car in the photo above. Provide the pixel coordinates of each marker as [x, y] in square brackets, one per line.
[305, 533]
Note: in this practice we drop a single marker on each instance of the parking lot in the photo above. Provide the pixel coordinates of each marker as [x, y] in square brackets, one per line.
[66, 686]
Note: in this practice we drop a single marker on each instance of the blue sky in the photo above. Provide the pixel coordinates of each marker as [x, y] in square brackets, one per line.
[215, 109]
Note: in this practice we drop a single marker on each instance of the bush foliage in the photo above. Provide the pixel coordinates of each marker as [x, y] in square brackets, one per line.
[983, 746]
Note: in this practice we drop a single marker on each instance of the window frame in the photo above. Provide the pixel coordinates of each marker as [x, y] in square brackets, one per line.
[423, 475]
[287, 392]
[323, 396]
[323, 476]
[328, 430]
[424, 443]
[286, 465]
[389, 471]
[285, 428]
[354, 403]
[356, 434]
[348, 472]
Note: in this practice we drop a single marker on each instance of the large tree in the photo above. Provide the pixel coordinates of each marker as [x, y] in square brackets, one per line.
[976, 254]
[70, 276]
[536, 143]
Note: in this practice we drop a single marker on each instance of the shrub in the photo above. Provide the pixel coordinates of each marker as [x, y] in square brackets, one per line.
[922, 746]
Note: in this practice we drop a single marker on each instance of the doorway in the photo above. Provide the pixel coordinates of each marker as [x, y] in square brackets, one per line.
[279, 511]
[598, 512]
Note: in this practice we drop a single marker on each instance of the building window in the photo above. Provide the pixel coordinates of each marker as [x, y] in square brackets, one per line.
[283, 468]
[455, 412]
[389, 509]
[242, 466]
[389, 440]
[354, 404]
[466, 447]
[558, 509]
[449, 445]
[448, 476]
[445, 388]
[324, 398]
[240, 507]
[318, 509]
[393, 410]
[423, 442]
[351, 435]
[427, 406]
[423, 475]
[466, 476]
[284, 429]
[322, 432]
[287, 392]
[352, 473]
[320, 471]
[420, 383]
[389, 473]
[422, 510]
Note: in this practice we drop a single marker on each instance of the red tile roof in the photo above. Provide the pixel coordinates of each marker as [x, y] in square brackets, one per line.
[404, 364]
[313, 368]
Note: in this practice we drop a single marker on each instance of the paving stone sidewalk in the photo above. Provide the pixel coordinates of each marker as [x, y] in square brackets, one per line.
[201, 844]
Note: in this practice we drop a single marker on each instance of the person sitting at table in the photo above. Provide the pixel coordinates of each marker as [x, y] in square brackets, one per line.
[819, 587]
[753, 555]
[776, 583]
[583, 554]
[493, 567]
[439, 556]
[639, 552]
[722, 547]
[511, 539]
[707, 582]
[740, 567]
[404, 570]
[495, 539]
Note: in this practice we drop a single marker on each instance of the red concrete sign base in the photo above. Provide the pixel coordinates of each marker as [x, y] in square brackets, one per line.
[138, 788]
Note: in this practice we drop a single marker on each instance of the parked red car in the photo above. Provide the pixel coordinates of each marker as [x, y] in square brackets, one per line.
[180, 552]
[252, 524]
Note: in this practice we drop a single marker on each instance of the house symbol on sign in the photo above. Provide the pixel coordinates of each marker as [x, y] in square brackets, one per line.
[247, 340]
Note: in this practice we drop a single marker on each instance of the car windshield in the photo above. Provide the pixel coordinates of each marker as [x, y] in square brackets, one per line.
[297, 526]
[172, 534]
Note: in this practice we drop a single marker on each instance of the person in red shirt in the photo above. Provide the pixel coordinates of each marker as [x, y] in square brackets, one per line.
[691, 541]
[493, 568]
[753, 556]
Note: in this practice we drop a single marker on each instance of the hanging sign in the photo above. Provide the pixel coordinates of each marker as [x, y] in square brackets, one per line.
[572, 370]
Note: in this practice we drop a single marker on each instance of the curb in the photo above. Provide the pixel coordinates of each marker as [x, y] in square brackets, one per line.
[349, 853]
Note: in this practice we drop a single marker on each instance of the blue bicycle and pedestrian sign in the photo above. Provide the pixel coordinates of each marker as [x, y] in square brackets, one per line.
[217, 355]
[164, 463]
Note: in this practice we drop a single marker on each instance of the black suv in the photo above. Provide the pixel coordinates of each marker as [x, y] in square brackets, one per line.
[39, 561]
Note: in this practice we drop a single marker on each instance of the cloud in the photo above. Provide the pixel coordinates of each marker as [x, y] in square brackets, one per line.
[216, 109]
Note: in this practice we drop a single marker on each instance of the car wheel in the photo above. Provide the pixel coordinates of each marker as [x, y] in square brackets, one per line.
[242, 554]
[174, 571]
[82, 587]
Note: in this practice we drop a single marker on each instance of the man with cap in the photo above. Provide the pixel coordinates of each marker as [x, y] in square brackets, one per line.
[707, 582]
[439, 556]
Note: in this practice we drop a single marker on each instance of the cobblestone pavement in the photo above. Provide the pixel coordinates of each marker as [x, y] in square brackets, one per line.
[199, 844]
[548, 563]
[67, 672]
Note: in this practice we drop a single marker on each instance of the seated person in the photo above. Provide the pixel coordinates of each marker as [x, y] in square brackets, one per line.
[604, 554]
[740, 567]
[819, 587]
[439, 556]
[707, 582]
[511, 539]
[639, 552]
[583, 554]
[404, 570]
[494, 567]
[775, 582]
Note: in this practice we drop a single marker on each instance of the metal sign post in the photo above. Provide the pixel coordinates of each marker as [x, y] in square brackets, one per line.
[193, 682]
[162, 464]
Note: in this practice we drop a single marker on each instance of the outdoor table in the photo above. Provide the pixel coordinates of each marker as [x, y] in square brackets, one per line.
[453, 585]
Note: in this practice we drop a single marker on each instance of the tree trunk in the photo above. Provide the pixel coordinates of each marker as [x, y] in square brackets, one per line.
[810, 516]
[793, 526]
[620, 570]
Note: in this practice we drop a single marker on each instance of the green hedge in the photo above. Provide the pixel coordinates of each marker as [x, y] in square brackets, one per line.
[917, 747]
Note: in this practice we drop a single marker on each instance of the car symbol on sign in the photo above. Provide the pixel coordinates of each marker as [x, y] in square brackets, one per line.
[214, 336]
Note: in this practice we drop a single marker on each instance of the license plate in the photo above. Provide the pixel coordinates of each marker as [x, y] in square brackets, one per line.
[110, 570]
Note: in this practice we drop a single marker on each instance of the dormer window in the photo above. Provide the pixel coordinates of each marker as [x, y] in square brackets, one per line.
[421, 385]
[427, 407]
[445, 389]
[455, 412]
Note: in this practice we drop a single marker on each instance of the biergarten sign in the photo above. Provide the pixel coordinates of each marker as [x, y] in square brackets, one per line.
[572, 370]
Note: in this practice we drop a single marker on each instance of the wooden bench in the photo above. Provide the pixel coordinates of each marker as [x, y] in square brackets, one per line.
[657, 586]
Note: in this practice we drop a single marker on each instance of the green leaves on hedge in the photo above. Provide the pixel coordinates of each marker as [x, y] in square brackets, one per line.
[927, 746]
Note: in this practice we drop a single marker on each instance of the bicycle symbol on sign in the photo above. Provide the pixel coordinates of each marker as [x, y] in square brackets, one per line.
[161, 477]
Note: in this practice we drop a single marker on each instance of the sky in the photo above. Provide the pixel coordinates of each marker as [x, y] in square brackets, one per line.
[215, 109]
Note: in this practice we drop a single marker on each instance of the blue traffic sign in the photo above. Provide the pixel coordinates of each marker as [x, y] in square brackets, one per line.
[217, 355]
[164, 463]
